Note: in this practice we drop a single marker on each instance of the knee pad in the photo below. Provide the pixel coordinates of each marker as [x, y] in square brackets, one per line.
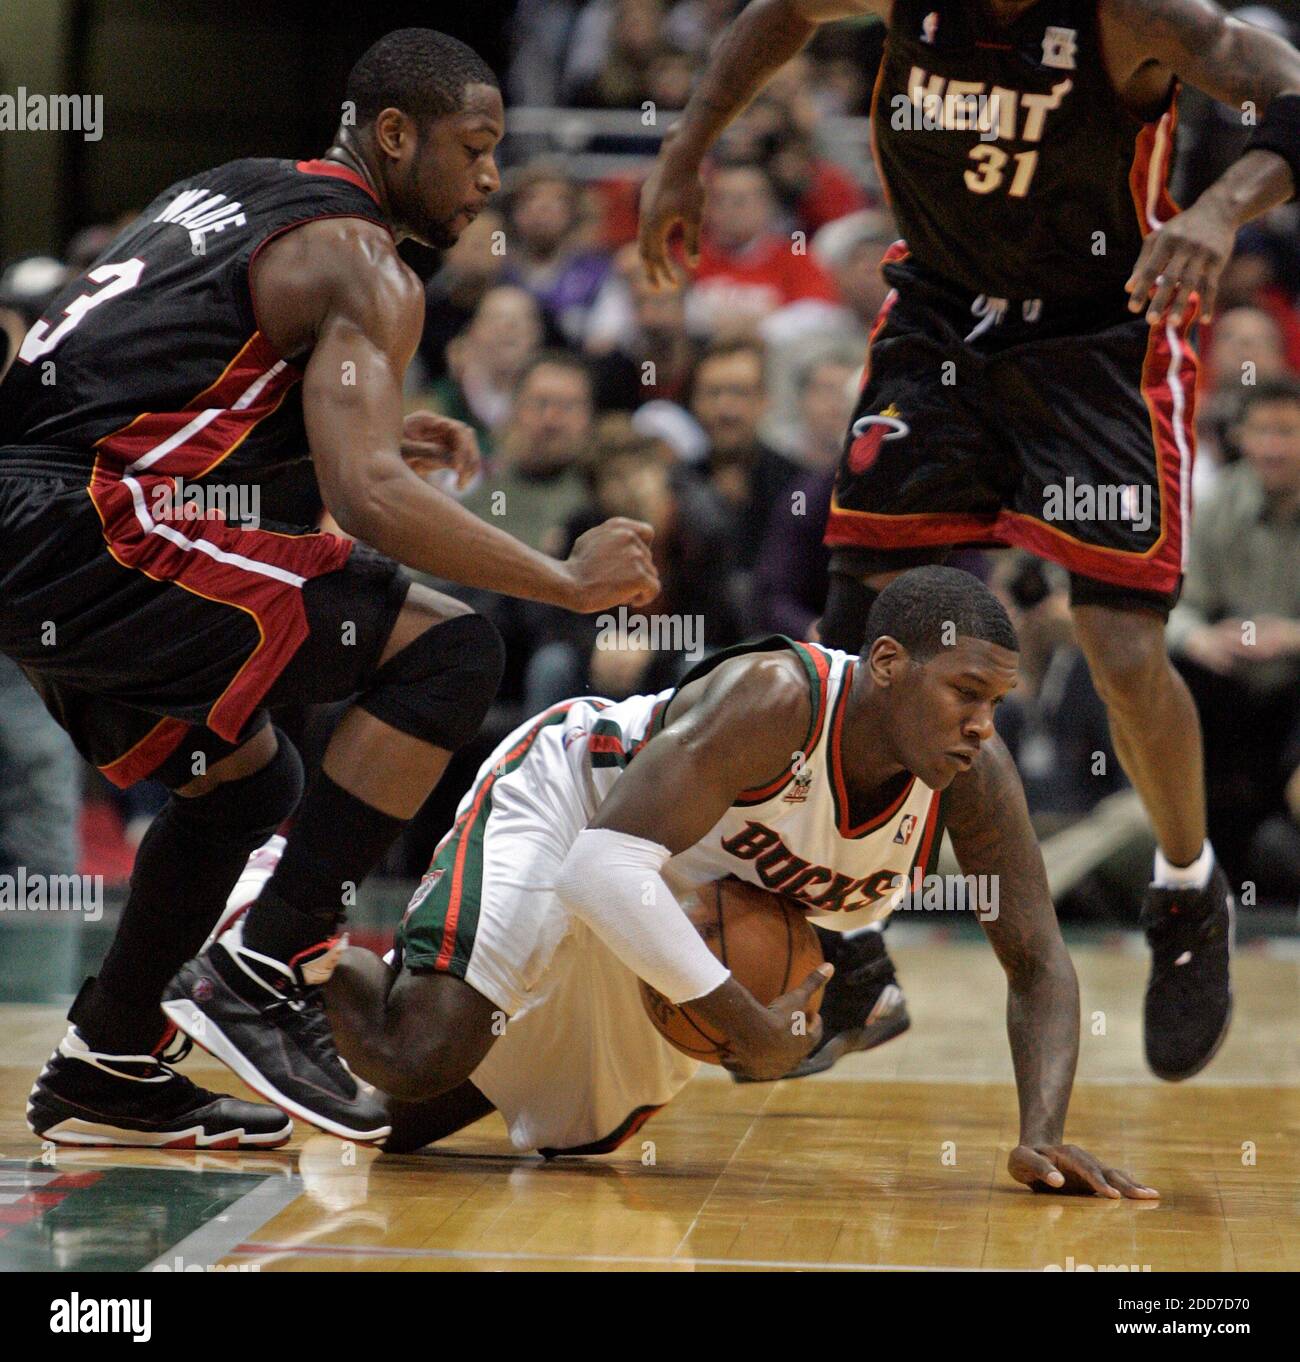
[844, 621]
[250, 809]
[440, 686]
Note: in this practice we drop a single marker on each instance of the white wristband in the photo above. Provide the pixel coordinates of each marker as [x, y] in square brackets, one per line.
[612, 882]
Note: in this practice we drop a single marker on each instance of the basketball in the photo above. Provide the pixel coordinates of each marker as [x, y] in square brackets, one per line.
[763, 938]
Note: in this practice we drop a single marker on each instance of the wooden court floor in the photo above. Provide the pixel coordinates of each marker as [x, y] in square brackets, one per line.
[895, 1159]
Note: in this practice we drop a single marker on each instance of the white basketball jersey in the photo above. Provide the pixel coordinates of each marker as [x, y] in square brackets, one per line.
[795, 836]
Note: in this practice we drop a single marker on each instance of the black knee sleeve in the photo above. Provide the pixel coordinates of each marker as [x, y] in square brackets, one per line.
[439, 687]
[844, 621]
[250, 809]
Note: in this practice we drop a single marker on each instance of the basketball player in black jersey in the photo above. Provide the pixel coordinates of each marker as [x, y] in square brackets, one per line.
[1012, 394]
[252, 315]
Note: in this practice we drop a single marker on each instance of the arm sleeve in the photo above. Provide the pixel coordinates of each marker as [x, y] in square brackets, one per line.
[613, 882]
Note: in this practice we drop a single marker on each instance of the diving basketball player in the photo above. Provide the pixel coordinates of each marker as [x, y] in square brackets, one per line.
[824, 776]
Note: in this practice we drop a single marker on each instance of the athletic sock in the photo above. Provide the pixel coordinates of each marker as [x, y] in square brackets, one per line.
[185, 867]
[335, 842]
[1194, 876]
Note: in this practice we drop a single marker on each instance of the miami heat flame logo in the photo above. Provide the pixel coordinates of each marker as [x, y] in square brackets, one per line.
[869, 432]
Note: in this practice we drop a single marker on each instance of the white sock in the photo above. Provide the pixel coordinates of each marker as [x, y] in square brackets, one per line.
[1194, 876]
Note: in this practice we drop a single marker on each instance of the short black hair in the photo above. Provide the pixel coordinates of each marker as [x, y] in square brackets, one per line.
[1282, 388]
[558, 359]
[418, 70]
[929, 608]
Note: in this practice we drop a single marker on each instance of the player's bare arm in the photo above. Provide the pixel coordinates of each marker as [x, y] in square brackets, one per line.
[735, 729]
[988, 822]
[338, 289]
[759, 41]
[1244, 67]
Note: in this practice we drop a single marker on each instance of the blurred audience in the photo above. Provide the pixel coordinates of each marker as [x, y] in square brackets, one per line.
[1236, 636]
[728, 401]
[547, 252]
[486, 360]
[716, 411]
[642, 350]
[40, 783]
[1248, 349]
[622, 653]
[749, 269]
[1054, 722]
[535, 483]
[472, 266]
[790, 573]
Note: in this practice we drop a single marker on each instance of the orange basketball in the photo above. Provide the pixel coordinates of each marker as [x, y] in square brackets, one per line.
[762, 938]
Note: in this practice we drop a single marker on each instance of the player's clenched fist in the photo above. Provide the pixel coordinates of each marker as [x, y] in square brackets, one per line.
[611, 565]
[1071, 1171]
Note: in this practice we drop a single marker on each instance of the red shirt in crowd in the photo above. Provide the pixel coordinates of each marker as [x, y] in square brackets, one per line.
[768, 273]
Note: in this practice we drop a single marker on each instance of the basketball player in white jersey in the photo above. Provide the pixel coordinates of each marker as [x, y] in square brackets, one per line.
[821, 775]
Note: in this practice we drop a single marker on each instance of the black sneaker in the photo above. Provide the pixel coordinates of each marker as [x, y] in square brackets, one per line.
[86, 1098]
[862, 1007]
[1189, 994]
[266, 1020]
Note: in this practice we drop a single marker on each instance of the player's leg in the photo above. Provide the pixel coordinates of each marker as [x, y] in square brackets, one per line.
[417, 1037]
[1103, 431]
[1153, 720]
[252, 998]
[1187, 911]
[107, 1083]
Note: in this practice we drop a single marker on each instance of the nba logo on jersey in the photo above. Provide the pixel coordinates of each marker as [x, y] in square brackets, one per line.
[905, 830]
[1059, 47]
[930, 26]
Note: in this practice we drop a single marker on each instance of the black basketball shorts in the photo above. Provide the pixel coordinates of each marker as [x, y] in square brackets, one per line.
[184, 652]
[993, 422]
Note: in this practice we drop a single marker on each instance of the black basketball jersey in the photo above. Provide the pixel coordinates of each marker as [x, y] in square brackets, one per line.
[155, 351]
[1012, 166]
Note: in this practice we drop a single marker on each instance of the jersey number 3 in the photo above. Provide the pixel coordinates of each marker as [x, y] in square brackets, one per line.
[41, 339]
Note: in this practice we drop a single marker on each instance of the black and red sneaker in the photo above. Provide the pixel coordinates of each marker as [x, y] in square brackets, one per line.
[1188, 1004]
[265, 1019]
[83, 1097]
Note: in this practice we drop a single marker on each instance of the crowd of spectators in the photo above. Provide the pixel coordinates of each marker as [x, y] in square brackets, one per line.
[716, 412]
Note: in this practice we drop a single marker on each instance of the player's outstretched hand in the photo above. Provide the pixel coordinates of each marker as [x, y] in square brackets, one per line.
[431, 441]
[1070, 1171]
[611, 565]
[785, 1035]
[673, 193]
[1187, 254]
